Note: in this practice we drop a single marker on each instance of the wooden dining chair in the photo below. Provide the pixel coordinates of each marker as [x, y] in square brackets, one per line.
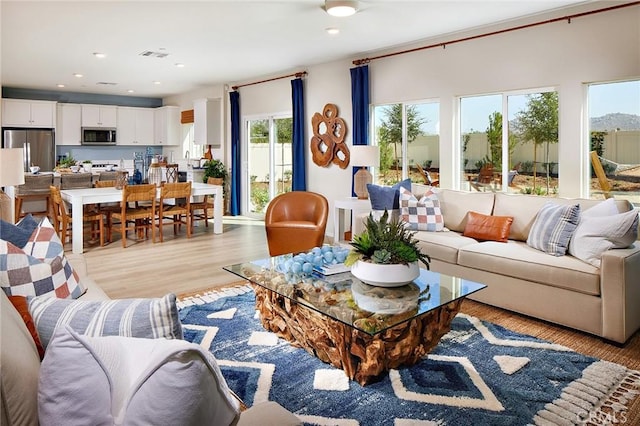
[133, 214]
[174, 207]
[107, 208]
[62, 219]
[200, 209]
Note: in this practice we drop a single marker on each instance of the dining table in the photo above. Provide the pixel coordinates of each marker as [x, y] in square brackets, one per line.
[78, 198]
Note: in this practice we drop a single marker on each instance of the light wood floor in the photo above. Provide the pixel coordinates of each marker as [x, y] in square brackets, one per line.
[181, 266]
[178, 265]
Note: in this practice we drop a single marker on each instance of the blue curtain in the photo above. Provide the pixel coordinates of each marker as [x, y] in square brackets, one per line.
[360, 106]
[299, 165]
[236, 161]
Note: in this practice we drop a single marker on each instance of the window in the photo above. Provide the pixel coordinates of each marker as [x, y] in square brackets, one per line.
[189, 149]
[408, 135]
[523, 159]
[614, 134]
[270, 160]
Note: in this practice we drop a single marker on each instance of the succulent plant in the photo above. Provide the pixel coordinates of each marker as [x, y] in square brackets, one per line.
[386, 241]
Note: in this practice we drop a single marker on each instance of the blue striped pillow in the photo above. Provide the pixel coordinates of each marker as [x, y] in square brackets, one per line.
[150, 318]
[553, 228]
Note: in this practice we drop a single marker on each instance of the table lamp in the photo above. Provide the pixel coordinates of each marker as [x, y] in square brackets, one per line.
[363, 156]
[11, 174]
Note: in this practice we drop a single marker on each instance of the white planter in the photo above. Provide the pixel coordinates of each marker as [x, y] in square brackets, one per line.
[385, 275]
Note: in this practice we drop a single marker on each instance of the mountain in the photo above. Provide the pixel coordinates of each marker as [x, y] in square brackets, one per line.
[615, 121]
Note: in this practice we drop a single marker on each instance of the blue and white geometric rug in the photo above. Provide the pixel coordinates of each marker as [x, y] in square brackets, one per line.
[479, 374]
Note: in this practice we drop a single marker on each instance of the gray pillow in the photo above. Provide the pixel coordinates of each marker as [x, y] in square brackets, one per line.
[18, 234]
[553, 228]
[150, 318]
[131, 381]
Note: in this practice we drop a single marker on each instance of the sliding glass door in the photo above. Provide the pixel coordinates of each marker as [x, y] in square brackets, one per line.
[269, 161]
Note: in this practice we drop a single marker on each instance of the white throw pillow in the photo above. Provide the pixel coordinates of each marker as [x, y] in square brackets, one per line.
[126, 380]
[598, 232]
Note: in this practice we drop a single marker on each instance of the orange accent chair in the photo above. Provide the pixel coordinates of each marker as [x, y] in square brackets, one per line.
[295, 222]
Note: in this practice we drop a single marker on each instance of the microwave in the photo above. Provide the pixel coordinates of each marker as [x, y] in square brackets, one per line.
[98, 136]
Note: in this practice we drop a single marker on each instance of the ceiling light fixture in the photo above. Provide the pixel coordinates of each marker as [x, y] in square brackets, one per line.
[130, 91]
[179, 65]
[99, 55]
[78, 75]
[60, 85]
[333, 31]
[341, 8]
[156, 82]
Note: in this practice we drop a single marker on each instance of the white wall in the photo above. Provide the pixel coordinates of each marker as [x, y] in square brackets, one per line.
[563, 55]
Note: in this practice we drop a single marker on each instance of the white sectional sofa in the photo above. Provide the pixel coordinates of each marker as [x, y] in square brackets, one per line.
[604, 300]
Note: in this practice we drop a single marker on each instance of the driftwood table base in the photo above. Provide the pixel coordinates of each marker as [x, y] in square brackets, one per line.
[363, 357]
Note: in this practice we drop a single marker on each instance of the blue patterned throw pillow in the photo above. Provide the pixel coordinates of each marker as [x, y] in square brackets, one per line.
[553, 228]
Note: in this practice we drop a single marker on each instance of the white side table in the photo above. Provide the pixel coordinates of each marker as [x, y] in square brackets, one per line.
[352, 204]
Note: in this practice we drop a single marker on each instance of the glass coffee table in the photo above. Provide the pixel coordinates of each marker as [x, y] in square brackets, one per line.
[362, 329]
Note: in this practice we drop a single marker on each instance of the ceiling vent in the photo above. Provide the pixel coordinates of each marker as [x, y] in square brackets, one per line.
[106, 83]
[152, 54]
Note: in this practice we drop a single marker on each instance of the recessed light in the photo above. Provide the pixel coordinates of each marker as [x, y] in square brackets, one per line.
[156, 82]
[60, 85]
[179, 65]
[333, 31]
[130, 91]
[99, 55]
[78, 75]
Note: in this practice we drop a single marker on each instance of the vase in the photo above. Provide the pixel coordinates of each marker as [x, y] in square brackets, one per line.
[384, 275]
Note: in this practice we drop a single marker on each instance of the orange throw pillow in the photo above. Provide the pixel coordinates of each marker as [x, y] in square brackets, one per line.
[20, 303]
[488, 228]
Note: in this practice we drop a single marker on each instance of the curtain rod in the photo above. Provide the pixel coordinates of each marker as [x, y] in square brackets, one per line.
[296, 75]
[520, 27]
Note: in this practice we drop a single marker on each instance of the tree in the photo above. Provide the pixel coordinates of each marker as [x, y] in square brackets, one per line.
[260, 130]
[494, 139]
[390, 133]
[538, 123]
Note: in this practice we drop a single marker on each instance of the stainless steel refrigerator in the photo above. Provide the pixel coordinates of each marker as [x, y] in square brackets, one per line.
[38, 144]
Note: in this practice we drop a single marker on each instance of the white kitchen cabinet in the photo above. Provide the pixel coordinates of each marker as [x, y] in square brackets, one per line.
[68, 129]
[99, 116]
[135, 126]
[167, 126]
[28, 113]
[207, 122]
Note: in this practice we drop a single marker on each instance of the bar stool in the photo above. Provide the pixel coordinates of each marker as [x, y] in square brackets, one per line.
[75, 180]
[35, 187]
[107, 175]
[172, 173]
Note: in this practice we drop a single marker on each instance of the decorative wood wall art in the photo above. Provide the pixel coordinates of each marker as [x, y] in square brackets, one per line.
[327, 142]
